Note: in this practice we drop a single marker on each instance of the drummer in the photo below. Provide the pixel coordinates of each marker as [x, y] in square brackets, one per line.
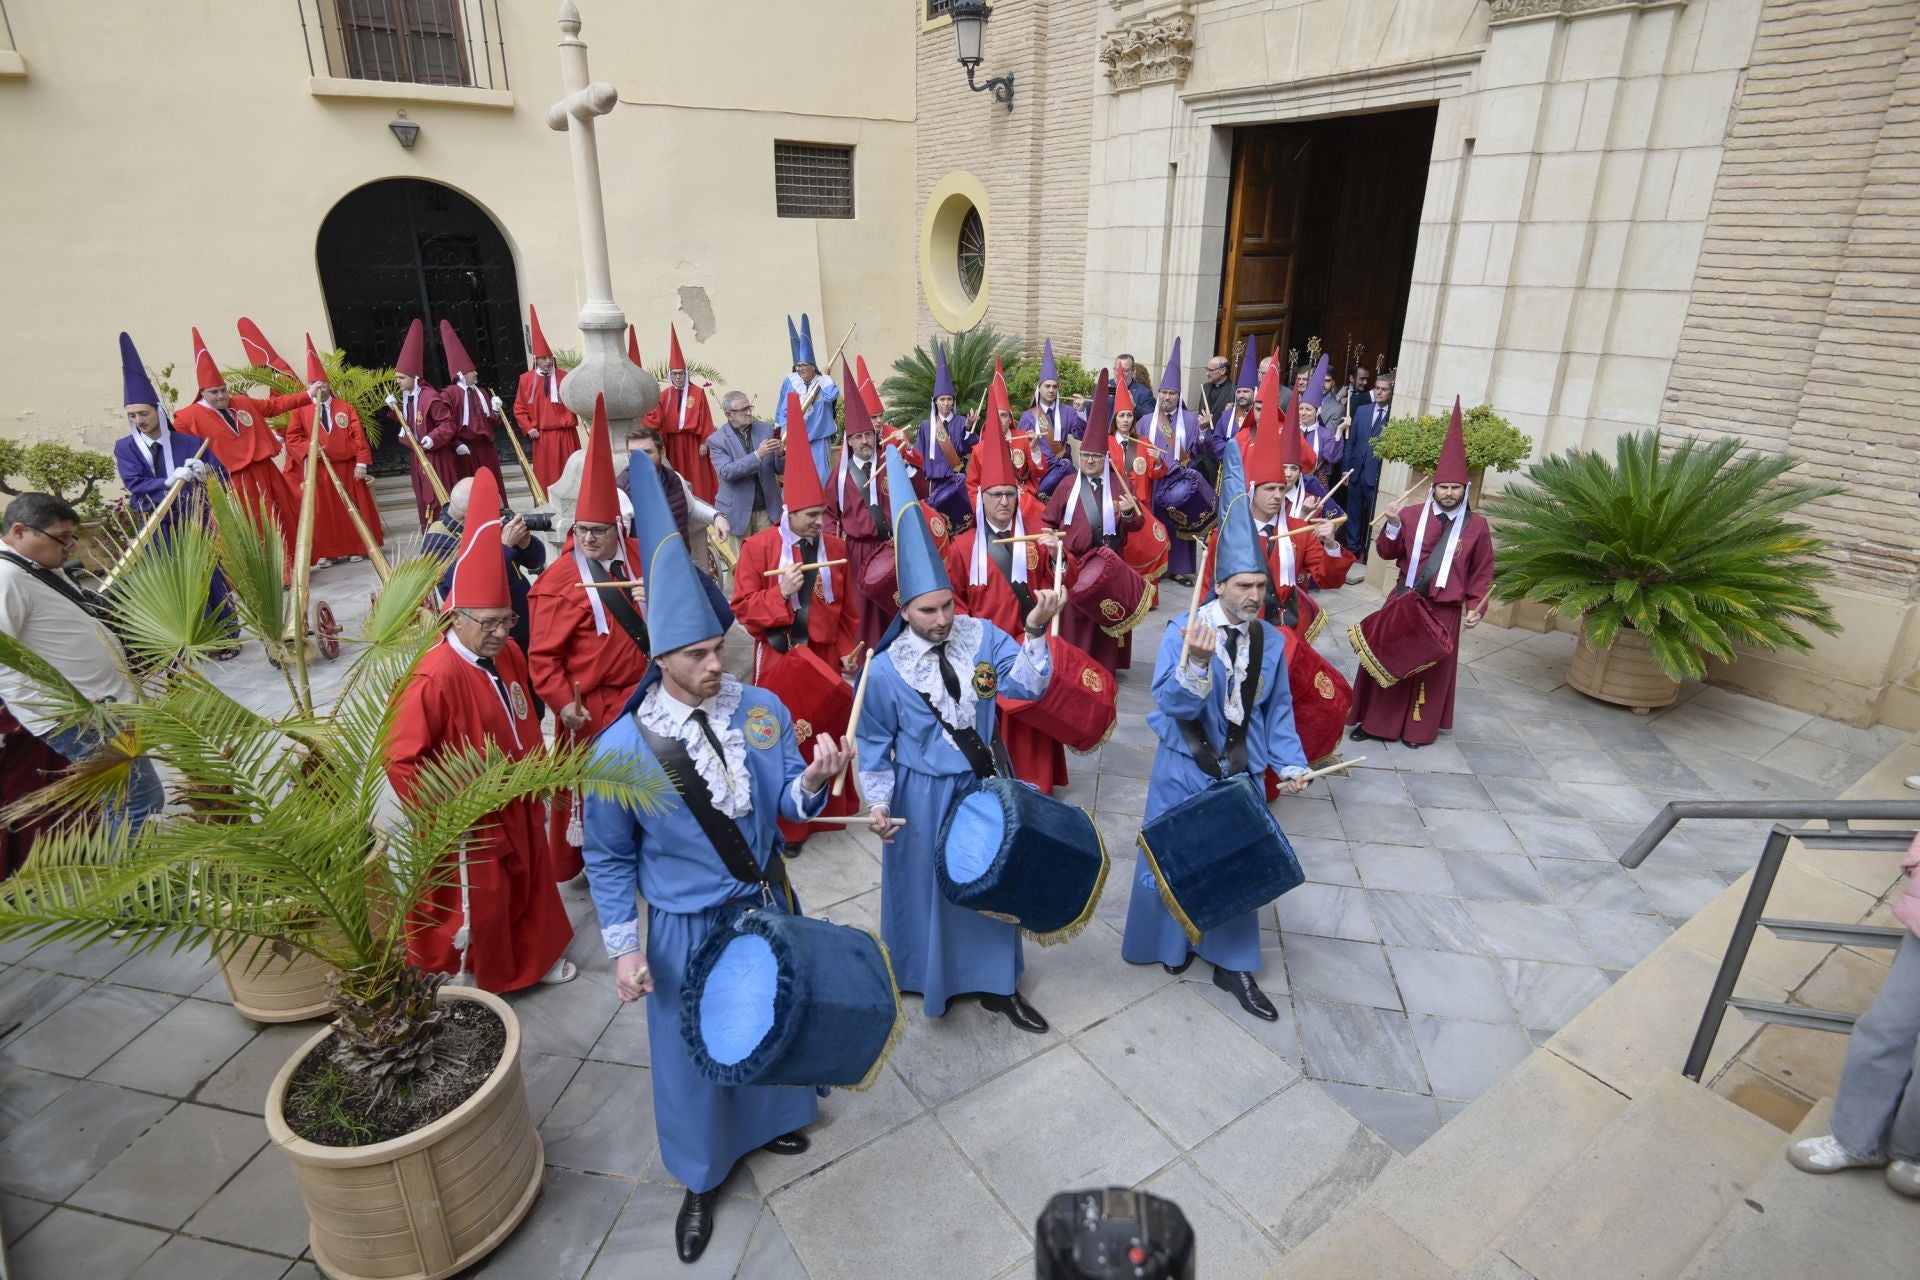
[857, 512]
[733, 750]
[994, 580]
[923, 736]
[1094, 510]
[1220, 695]
[1183, 440]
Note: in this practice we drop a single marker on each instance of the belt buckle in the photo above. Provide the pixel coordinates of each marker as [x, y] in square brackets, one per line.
[766, 894]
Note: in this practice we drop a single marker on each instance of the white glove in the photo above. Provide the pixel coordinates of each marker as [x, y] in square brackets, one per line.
[426, 442]
[360, 471]
[180, 475]
[199, 468]
[497, 406]
[393, 404]
[462, 450]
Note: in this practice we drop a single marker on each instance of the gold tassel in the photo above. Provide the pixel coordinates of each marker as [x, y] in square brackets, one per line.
[1173, 907]
[899, 1022]
[1419, 700]
[1069, 930]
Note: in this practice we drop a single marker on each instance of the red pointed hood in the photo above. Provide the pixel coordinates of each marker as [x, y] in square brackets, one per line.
[599, 491]
[479, 570]
[994, 455]
[633, 348]
[412, 360]
[539, 339]
[1099, 416]
[859, 412]
[1268, 456]
[316, 369]
[869, 394]
[1452, 467]
[458, 361]
[675, 361]
[205, 372]
[803, 488]
[259, 350]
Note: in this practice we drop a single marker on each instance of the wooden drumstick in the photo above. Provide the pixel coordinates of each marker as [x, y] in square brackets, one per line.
[1393, 508]
[1059, 581]
[1022, 537]
[856, 820]
[610, 586]
[818, 564]
[1328, 495]
[853, 724]
[1335, 767]
[1193, 610]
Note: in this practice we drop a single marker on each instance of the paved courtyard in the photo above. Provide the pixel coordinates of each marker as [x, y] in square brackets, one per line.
[1462, 903]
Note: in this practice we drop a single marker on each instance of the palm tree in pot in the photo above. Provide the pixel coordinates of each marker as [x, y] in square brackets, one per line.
[1668, 561]
[285, 842]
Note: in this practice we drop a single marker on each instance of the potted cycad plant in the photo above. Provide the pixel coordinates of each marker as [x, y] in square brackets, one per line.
[1667, 560]
[406, 1120]
[970, 357]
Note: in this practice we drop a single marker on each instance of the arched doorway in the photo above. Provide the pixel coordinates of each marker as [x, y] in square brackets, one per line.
[401, 248]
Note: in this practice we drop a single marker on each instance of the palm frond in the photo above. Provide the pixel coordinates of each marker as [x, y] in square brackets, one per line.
[908, 394]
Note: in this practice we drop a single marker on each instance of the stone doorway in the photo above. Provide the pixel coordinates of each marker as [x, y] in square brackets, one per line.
[1321, 230]
[401, 248]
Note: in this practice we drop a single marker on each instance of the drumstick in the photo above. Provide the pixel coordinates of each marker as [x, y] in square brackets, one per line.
[853, 723]
[1059, 580]
[1022, 537]
[857, 820]
[1393, 508]
[611, 586]
[1193, 610]
[1335, 767]
[818, 564]
[1328, 495]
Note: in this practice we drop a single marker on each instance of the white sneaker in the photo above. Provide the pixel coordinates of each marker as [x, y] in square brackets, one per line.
[1824, 1154]
[1904, 1176]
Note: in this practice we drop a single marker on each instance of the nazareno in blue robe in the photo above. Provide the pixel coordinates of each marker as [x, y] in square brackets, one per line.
[1152, 934]
[938, 949]
[665, 858]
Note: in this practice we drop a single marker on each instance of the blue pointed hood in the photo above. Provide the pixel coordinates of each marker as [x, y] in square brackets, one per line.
[136, 387]
[793, 342]
[1249, 379]
[918, 566]
[679, 612]
[942, 379]
[803, 349]
[1170, 380]
[1238, 549]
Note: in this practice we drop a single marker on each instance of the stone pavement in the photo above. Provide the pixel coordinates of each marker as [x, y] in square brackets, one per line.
[1463, 902]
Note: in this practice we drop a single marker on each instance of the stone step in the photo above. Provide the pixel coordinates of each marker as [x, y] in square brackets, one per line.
[1646, 1195]
[1789, 1224]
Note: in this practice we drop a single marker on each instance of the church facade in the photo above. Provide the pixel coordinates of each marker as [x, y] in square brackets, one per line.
[1597, 216]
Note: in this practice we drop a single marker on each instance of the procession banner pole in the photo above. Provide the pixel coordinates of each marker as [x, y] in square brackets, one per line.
[153, 523]
[526, 468]
[806, 401]
[406, 433]
[1193, 610]
[1059, 581]
[380, 565]
[853, 724]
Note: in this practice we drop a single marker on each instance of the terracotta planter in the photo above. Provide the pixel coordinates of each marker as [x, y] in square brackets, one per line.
[1625, 674]
[276, 988]
[432, 1203]
[93, 548]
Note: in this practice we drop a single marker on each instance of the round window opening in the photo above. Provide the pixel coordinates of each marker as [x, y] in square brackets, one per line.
[971, 253]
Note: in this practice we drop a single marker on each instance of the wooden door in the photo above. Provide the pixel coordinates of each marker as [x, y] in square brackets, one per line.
[1264, 236]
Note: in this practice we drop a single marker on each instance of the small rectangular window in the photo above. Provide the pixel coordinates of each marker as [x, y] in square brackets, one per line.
[812, 181]
[938, 8]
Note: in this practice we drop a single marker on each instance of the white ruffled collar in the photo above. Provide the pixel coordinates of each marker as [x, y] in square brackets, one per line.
[726, 778]
[1215, 616]
[914, 659]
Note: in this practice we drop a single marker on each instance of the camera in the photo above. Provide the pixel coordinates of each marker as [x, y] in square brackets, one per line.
[1115, 1234]
[537, 521]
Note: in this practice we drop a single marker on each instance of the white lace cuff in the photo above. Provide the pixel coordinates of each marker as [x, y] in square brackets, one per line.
[1292, 771]
[806, 804]
[1198, 683]
[621, 939]
[877, 786]
[1034, 665]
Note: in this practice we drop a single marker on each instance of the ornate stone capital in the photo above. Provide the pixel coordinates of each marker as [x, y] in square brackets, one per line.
[1149, 50]
[1506, 11]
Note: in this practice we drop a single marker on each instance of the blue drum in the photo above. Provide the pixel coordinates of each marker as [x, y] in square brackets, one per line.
[1218, 855]
[1014, 854]
[772, 998]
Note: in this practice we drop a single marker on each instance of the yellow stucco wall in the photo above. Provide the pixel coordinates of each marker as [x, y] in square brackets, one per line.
[169, 165]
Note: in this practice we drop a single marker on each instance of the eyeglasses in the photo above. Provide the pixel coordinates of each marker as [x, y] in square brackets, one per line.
[498, 626]
[745, 408]
[69, 542]
[592, 530]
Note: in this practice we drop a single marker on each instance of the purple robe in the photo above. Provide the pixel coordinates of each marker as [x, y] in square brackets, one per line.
[947, 484]
[1200, 443]
[146, 488]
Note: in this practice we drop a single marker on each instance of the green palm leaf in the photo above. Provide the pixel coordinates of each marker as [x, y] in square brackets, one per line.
[908, 394]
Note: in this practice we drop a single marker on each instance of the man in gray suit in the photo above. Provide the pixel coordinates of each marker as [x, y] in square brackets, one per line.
[748, 457]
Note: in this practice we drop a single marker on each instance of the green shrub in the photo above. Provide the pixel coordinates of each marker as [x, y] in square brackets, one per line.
[74, 475]
[1492, 441]
[1023, 377]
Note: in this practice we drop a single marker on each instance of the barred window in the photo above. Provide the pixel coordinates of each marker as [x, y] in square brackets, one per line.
[938, 8]
[811, 181]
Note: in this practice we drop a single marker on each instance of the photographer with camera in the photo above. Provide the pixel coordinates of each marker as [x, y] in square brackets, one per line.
[526, 555]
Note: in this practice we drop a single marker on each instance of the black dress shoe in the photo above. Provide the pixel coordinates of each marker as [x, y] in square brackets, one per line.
[792, 848]
[1413, 746]
[694, 1227]
[1184, 579]
[1246, 991]
[1360, 735]
[1016, 1010]
[1182, 967]
[788, 1144]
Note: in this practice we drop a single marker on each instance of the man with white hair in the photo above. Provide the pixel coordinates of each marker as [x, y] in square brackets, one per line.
[526, 555]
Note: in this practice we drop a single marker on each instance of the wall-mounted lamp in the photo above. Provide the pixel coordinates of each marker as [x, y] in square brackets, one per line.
[970, 34]
[405, 130]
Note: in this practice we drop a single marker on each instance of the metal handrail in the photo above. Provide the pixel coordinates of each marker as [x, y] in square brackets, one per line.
[1842, 811]
[1837, 834]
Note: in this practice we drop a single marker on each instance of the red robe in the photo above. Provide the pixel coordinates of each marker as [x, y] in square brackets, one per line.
[549, 424]
[476, 431]
[1417, 708]
[1142, 469]
[343, 447]
[247, 448]
[685, 420]
[1075, 626]
[849, 518]
[429, 421]
[564, 648]
[831, 630]
[518, 924]
[1310, 563]
[1036, 757]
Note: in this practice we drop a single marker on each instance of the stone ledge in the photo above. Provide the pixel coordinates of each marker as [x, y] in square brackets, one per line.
[11, 63]
[392, 91]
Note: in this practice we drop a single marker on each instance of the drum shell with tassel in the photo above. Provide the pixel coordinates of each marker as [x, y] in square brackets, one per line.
[1080, 705]
[1219, 854]
[1012, 853]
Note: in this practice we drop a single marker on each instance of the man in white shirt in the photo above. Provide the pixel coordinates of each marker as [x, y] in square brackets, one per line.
[44, 610]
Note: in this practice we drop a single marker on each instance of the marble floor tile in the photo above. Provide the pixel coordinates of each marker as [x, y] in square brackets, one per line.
[1504, 758]
[260, 1208]
[29, 996]
[1449, 983]
[1325, 861]
[924, 1213]
[1549, 995]
[1497, 877]
[1367, 787]
[189, 1043]
[73, 1137]
[1580, 765]
[625, 1039]
[848, 1120]
[1439, 792]
[1075, 1130]
[1657, 768]
[1379, 823]
[1403, 869]
[24, 1093]
[1120, 793]
[1404, 1119]
[1332, 969]
[181, 972]
[1357, 1044]
[642, 1240]
[770, 1254]
[1522, 932]
[1557, 838]
[1675, 893]
[113, 1250]
[566, 1225]
[1468, 830]
[1320, 820]
[603, 1122]
[241, 1084]
[1295, 1161]
[1605, 885]
[1077, 983]
[1464, 1058]
[175, 1167]
[183, 1258]
[1437, 758]
[1235, 1244]
[86, 1030]
[571, 1017]
[1151, 1051]
[1326, 911]
[1604, 802]
[942, 1058]
[1531, 797]
[834, 867]
[1550, 733]
[1822, 765]
[1477, 724]
[1619, 939]
[1423, 920]
[1752, 710]
[78, 962]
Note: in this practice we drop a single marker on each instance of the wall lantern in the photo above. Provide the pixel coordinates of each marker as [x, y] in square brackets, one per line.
[405, 130]
[970, 34]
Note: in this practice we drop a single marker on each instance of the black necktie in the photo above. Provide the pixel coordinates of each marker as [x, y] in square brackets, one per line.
[618, 603]
[699, 717]
[227, 416]
[486, 665]
[1233, 647]
[1430, 568]
[948, 676]
[153, 451]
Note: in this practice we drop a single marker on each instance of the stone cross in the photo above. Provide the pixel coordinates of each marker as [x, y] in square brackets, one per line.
[604, 368]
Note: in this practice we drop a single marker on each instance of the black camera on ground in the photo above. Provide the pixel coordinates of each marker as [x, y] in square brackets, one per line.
[537, 521]
[1115, 1234]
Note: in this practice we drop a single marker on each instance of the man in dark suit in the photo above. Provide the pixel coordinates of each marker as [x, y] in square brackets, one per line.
[1362, 429]
[748, 458]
